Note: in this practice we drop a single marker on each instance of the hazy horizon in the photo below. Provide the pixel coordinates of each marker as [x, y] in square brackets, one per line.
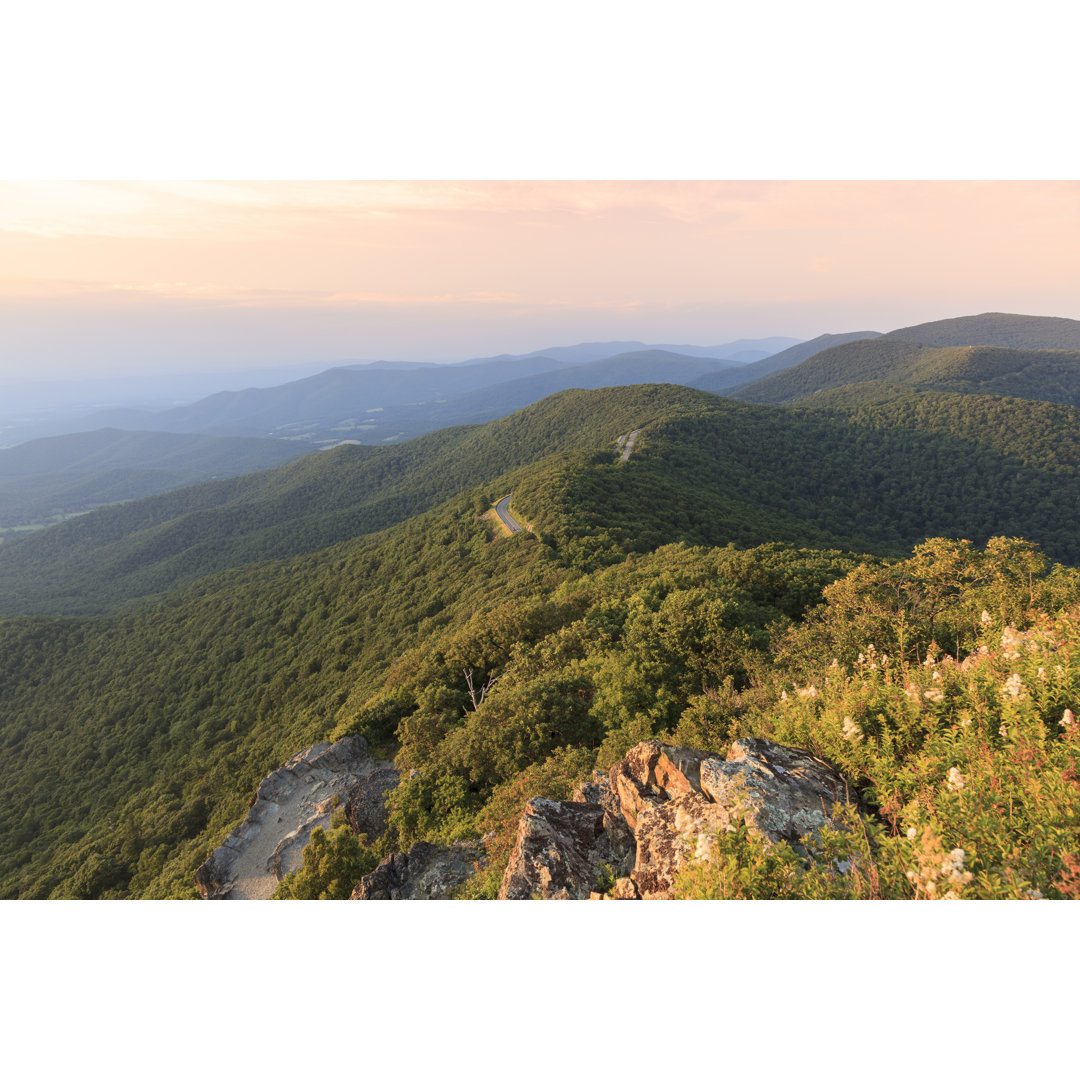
[110, 278]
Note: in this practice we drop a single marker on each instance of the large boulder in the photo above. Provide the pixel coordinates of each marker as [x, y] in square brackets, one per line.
[782, 793]
[425, 872]
[561, 851]
[660, 808]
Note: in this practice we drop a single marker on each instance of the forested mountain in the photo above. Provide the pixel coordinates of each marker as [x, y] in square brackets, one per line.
[703, 470]
[720, 381]
[645, 366]
[998, 329]
[340, 403]
[117, 553]
[47, 479]
[735, 575]
[134, 742]
[1040, 375]
[389, 402]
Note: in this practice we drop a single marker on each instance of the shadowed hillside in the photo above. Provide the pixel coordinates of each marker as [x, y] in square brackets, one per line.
[720, 381]
[1040, 375]
[998, 329]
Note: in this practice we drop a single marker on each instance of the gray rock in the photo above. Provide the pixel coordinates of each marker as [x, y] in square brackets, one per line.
[783, 793]
[559, 852]
[426, 872]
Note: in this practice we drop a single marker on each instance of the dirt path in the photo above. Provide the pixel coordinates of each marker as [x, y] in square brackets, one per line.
[310, 805]
[291, 802]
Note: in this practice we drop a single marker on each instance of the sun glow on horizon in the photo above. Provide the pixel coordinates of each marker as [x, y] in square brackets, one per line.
[101, 272]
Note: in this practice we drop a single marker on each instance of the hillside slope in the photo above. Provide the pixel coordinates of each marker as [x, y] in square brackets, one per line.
[998, 329]
[703, 470]
[69, 474]
[721, 381]
[92, 562]
[1040, 375]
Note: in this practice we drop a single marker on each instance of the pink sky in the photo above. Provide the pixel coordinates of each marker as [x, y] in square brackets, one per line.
[103, 276]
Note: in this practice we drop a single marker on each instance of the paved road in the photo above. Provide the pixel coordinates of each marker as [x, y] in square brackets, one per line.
[629, 444]
[502, 508]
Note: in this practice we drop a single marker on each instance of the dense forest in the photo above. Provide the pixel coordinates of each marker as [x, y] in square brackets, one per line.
[847, 577]
[705, 470]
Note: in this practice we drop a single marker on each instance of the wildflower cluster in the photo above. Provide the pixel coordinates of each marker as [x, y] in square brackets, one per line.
[970, 758]
[937, 875]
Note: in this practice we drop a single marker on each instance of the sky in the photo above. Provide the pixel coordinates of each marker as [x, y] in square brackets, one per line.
[105, 276]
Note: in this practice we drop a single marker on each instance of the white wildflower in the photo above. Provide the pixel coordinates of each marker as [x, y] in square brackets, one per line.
[807, 692]
[934, 695]
[937, 676]
[1042, 674]
[852, 731]
[1011, 639]
[985, 618]
[1068, 718]
[955, 779]
[1059, 671]
[1033, 894]
[912, 833]
[1014, 685]
[783, 697]
[1003, 731]
[911, 690]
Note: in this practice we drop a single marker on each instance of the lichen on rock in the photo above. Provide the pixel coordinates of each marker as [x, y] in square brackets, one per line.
[660, 808]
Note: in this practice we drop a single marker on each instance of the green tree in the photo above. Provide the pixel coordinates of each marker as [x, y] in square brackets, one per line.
[333, 864]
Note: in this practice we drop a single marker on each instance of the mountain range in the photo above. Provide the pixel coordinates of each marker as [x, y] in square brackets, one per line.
[158, 658]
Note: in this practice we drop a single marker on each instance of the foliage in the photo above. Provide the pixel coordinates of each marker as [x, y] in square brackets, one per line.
[967, 761]
[333, 863]
[134, 739]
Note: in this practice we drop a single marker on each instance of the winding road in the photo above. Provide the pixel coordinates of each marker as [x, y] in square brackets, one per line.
[502, 508]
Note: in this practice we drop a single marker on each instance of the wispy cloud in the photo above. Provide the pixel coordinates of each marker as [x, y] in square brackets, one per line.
[172, 209]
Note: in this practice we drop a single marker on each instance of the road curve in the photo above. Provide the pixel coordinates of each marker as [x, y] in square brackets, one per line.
[502, 508]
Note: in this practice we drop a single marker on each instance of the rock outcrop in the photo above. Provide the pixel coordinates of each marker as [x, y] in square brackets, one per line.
[425, 872]
[563, 848]
[366, 809]
[629, 833]
[288, 805]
